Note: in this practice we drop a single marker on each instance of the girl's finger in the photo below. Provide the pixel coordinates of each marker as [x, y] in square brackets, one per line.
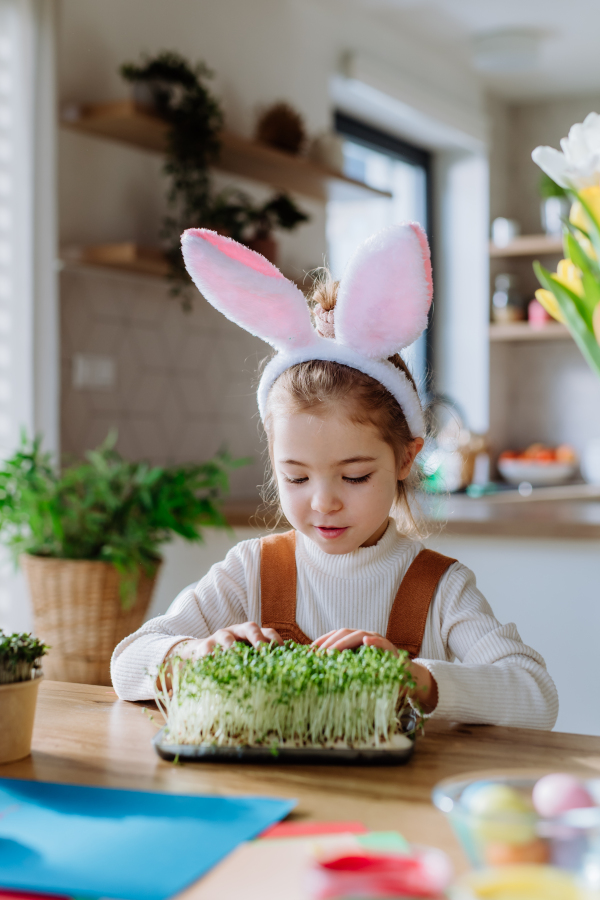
[349, 641]
[376, 640]
[225, 638]
[319, 641]
[336, 636]
[255, 634]
[247, 631]
[272, 635]
[207, 647]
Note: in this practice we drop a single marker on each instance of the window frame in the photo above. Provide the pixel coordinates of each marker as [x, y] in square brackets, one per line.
[375, 139]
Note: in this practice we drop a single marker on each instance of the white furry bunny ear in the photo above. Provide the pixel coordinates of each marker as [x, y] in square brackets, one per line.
[247, 289]
[385, 292]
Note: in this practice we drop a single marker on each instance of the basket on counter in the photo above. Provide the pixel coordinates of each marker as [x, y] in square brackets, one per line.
[77, 606]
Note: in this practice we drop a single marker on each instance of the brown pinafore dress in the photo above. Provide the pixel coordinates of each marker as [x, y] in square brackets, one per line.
[407, 620]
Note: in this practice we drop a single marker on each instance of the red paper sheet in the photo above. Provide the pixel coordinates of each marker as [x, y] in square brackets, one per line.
[311, 829]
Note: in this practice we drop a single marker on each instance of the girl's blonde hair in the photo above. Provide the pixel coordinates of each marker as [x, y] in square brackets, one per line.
[318, 384]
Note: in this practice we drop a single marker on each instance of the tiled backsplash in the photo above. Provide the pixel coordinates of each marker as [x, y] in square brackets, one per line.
[185, 382]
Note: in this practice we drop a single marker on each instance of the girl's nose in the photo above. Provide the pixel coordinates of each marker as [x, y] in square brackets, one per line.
[325, 501]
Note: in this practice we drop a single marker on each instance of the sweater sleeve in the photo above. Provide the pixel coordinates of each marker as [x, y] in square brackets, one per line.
[498, 680]
[228, 595]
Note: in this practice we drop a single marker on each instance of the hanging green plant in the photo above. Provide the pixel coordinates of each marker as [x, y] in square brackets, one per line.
[178, 93]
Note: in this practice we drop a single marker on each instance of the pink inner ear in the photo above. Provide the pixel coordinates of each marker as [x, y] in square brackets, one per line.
[422, 237]
[237, 251]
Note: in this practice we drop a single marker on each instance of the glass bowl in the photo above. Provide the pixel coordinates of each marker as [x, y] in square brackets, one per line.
[521, 837]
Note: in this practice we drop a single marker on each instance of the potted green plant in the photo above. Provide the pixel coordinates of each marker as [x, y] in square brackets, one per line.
[280, 212]
[88, 539]
[235, 215]
[20, 676]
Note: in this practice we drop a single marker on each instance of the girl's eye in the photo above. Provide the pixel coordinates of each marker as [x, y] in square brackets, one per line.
[296, 480]
[360, 480]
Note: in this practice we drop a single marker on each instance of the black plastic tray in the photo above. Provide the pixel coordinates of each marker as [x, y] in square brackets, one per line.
[309, 756]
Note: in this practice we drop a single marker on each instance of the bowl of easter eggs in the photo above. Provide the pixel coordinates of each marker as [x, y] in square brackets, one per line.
[538, 465]
[551, 821]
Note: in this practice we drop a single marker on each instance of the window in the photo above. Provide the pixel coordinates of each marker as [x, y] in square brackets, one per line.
[385, 162]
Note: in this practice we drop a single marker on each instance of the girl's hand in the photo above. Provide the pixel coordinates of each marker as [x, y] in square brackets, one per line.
[249, 632]
[426, 691]
[347, 639]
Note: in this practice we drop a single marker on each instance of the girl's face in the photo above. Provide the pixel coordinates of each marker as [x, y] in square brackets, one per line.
[336, 478]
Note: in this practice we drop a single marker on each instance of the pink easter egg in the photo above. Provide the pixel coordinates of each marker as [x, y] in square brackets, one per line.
[556, 794]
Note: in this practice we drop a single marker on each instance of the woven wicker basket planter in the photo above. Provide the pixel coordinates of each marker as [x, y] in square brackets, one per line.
[77, 609]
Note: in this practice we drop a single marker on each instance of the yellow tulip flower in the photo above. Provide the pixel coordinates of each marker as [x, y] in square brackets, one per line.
[567, 274]
[548, 301]
[578, 216]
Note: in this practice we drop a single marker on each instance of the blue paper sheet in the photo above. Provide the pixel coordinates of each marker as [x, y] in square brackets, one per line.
[102, 842]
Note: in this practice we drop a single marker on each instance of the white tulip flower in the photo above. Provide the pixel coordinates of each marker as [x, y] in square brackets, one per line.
[578, 166]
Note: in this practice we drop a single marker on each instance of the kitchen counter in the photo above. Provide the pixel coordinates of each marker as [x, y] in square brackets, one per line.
[85, 735]
[499, 515]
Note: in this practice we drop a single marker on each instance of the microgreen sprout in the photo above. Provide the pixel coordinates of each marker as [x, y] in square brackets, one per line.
[286, 696]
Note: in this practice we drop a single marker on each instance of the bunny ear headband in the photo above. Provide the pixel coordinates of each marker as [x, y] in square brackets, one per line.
[382, 306]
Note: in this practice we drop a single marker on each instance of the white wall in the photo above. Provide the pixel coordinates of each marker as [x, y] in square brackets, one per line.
[461, 311]
[550, 589]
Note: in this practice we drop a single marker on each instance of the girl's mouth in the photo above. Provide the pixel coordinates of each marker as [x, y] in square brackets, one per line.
[331, 533]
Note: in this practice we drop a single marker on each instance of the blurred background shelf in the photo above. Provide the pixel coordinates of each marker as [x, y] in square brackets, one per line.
[522, 331]
[126, 122]
[136, 259]
[529, 245]
[126, 256]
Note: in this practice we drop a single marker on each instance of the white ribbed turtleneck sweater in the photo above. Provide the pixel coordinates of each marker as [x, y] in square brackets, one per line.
[499, 680]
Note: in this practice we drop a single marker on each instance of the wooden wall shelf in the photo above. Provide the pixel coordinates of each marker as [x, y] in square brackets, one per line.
[125, 122]
[126, 256]
[529, 245]
[134, 259]
[522, 331]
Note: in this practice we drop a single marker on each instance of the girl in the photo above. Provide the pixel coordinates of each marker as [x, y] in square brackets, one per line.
[344, 425]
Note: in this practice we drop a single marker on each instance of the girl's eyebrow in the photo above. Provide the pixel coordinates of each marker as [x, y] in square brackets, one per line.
[342, 462]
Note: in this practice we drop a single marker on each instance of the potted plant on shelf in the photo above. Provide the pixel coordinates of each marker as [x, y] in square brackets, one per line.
[88, 540]
[20, 676]
[280, 212]
[235, 215]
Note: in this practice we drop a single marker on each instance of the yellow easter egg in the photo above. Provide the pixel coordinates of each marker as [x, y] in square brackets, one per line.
[501, 815]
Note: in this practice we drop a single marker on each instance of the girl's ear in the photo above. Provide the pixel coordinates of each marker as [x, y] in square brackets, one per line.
[247, 289]
[385, 292]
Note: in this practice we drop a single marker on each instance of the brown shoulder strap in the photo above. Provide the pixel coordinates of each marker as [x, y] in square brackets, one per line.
[278, 586]
[406, 626]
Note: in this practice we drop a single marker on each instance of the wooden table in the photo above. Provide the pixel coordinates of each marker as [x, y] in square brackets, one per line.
[85, 735]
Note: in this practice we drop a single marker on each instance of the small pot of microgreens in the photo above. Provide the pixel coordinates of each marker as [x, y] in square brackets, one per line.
[289, 696]
[20, 676]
